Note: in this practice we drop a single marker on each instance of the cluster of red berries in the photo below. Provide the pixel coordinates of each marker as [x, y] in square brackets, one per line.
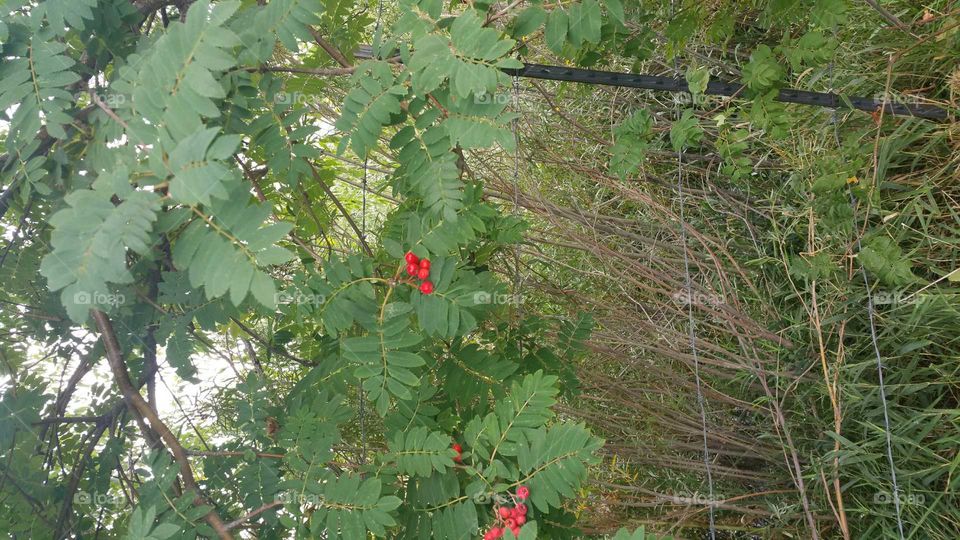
[419, 268]
[510, 518]
[459, 450]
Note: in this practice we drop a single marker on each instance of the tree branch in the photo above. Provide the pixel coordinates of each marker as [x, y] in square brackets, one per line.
[343, 210]
[331, 50]
[237, 522]
[138, 405]
[273, 348]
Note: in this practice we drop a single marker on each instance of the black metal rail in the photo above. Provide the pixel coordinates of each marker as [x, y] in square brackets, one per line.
[715, 88]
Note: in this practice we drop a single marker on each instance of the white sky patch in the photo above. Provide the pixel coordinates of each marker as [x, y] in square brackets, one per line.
[213, 375]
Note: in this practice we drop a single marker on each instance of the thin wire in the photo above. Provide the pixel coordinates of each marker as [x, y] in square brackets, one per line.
[363, 240]
[516, 201]
[517, 281]
[691, 321]
[883, 391]
[873, 326]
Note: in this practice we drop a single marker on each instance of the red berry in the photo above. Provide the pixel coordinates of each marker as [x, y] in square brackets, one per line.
[515, 531]
[496, 532]
[521, 509]
[523, 492]
[459, 450]
[412, 269]
[425, 263]
[426, 287]
[510, 523]
[520, 520]
[504, 512]
[423, 273]
[411, 258]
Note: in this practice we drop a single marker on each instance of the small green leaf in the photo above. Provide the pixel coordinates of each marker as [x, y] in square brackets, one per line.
[686, 131]
[615, 8]
[528, 21]
[884, 258]
[556, 30]
[697, 80]
[829, 13]
[263, 289]
[762, 71]
[630, 144]
[584, 23]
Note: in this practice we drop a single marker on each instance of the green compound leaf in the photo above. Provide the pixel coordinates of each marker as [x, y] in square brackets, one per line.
[35, 76]
[525, 410]
[369, 107]
[762, 71]
[178, 82]
[429, 165]
[89, 245]
[686, 131]
[471, 59]
[553, 462]
[347, 295]
[697, 80]
[285, 20]
[829, 13]
[528, 21]
[386, 369]
[419, 452]
[884, 258]
[353, 508]
[63, 13]
[471, 372]
[632, 137]
[615, 9]
[225, 246]
[451, 521]
[198, 169]
[555, 33]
